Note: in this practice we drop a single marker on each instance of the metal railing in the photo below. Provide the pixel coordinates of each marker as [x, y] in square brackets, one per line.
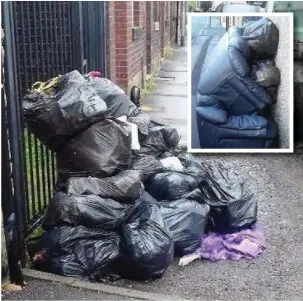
[44, 49]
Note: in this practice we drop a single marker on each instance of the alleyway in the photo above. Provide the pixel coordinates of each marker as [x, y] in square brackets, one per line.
[167, 102]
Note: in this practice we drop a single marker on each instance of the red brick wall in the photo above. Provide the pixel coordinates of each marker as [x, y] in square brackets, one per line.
[121, 35]
[136, 48]
[127, 57]
[155, 35]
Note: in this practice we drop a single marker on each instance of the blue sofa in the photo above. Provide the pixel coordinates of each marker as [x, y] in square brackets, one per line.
[230, 105]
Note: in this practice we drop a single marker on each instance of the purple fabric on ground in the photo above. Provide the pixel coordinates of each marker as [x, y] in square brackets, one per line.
[247, 243]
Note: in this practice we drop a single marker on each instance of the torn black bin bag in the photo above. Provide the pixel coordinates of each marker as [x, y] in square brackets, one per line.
[75, 251]
[160, 139]
[56, 116]
[147, 244]
[169, 186]
[148, 166]
[265, 73]
[186, 220]
[233, 206]
[89, 210]
[104, 148]
[125, 187]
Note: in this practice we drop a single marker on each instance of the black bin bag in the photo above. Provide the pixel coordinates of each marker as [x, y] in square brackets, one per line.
[126, 186]
[104, 87]
[89, 210]
[170, 185]
[147, 165]
[266, 74]
[142, 120]
[147, 244]
[160, 139]
[104, 149]
[262, 37]
[233, 206]
[193, 167]
[63, 112]
[75, 251]
[186, 220]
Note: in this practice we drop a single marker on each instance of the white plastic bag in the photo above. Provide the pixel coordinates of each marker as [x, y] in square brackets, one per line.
[134, 131]
[172, 164]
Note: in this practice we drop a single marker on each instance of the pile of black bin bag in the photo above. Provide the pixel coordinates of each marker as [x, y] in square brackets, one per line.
[118, 211]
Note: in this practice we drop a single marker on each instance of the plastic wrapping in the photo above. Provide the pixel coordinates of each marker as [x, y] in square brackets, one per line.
[56, 116]
[233, 206]
[104, 87]
[104, 148]
[147, 244]
[75, 251]
[186, 220]
[89, 210]
[266, 74]
[160, 139]
[172, 164]
[123, 187]
[193, 168]
[148, 166]
[168, 186]
[262, 37]
[142, 120]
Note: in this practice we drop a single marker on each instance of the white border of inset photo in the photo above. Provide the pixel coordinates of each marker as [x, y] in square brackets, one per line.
[291, 88]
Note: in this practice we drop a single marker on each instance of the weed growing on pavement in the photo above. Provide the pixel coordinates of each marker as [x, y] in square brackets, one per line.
[168, 53]
[149, 86]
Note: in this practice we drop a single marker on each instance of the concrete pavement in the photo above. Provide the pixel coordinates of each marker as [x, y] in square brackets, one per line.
[167, 102]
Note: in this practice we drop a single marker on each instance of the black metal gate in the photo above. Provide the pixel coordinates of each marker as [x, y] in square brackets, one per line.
[41, 40]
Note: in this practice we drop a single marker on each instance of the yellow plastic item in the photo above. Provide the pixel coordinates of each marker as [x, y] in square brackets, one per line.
[45, 86]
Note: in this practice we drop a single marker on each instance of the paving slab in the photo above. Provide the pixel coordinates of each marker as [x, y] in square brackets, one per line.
[167, 102]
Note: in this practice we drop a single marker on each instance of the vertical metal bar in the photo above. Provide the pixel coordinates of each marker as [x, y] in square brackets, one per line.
[43, 174]
[29, 174]
[69, 19]
[51, 37]
[42, 50]
[103, 37]
[77, 34]
[14, 121]
[30, 68]
[55, 35]
[54, 177]
[38, 76]
[60, 26]
[18, 29]
[48, 173]
[48, 47]
[27, 195]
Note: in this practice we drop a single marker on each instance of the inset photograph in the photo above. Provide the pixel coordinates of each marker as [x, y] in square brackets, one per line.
[241, 82]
